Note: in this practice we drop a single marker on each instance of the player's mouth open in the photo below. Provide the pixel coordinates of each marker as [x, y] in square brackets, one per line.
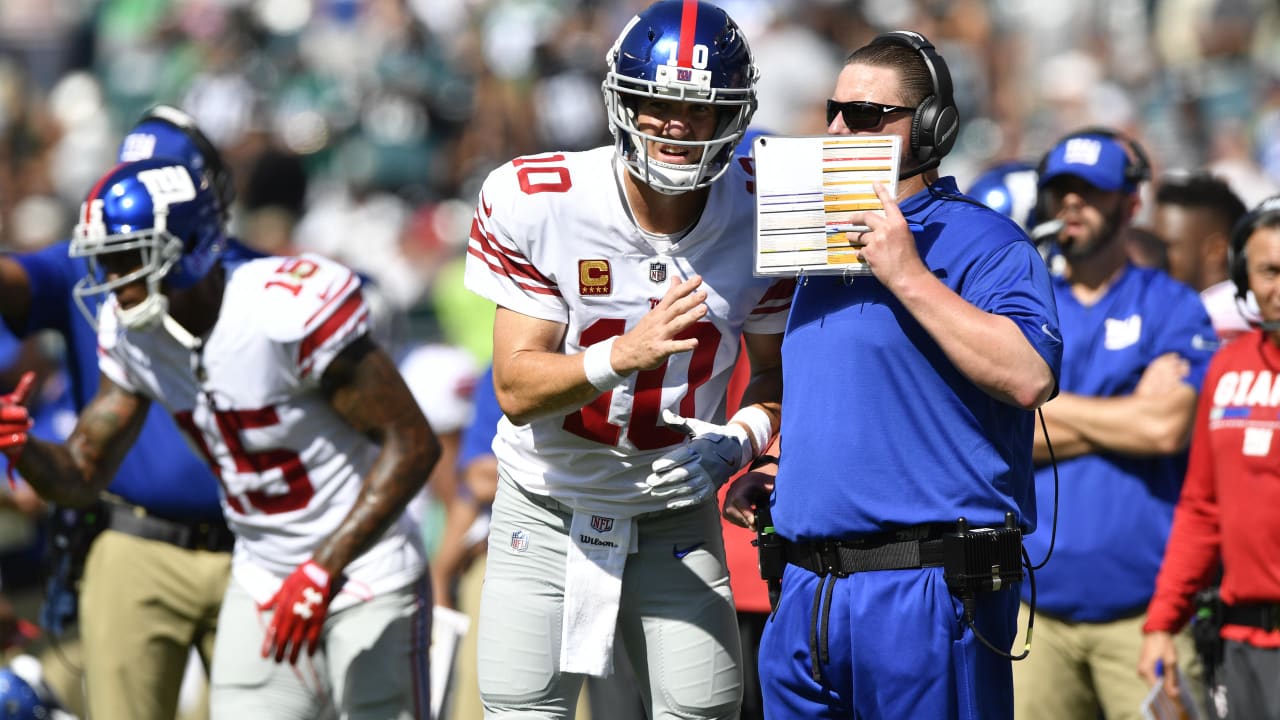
[673, 154]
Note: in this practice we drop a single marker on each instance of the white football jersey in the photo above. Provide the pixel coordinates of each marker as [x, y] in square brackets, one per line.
[552, 238]
[1229, 315]
[290, 468]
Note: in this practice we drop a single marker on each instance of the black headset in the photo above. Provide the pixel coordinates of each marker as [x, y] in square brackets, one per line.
[1137, 166]
[1237, 264]
[936, 121]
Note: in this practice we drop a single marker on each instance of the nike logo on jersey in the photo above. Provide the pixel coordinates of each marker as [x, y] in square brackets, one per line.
[1199, 342]
[488, 209]
[680, 553]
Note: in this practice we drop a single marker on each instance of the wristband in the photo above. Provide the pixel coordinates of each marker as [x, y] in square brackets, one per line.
[762, 461]
[759, 425]
[599, 369]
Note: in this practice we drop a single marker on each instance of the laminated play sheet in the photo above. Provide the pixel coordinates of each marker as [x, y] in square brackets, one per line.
[807, 189]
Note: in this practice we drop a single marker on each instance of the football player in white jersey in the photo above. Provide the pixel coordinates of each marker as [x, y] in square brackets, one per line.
[318, 444]
[623, 280]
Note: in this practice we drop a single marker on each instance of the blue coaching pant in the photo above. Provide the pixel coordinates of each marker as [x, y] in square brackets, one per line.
[896, 647]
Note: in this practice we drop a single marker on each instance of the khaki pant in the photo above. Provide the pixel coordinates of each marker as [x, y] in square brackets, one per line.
[1076, 668]
[143, 605]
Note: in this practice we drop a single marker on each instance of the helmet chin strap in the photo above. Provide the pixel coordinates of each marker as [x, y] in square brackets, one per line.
[153, 312]
[179, 333]
[678, 179]
[146, 314]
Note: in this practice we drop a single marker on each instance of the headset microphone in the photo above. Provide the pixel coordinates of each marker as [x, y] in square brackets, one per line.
[1043, 235]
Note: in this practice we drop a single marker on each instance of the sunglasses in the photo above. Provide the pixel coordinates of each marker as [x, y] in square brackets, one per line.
[861, 114]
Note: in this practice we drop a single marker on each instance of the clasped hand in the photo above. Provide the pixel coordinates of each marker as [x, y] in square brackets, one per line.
[694, 472]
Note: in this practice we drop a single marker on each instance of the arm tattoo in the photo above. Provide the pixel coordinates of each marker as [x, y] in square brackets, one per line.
[75, 472]
[365, 388]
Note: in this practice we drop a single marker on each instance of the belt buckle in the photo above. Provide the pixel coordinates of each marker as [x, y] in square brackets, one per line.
[828, 555]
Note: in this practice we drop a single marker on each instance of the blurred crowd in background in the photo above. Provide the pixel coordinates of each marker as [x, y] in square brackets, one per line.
[361, 128]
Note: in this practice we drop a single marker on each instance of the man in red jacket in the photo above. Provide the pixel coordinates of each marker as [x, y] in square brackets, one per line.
[1227, 510]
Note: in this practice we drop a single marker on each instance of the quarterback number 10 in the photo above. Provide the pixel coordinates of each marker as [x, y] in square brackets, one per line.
[644, 429]
[536, 174]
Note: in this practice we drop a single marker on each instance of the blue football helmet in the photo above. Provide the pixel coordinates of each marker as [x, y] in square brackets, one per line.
[23, 694]
[165, 131]
[164, 212]
[1010, 189]
[685, 51]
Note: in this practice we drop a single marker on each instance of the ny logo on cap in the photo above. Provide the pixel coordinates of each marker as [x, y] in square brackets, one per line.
[1082, 151]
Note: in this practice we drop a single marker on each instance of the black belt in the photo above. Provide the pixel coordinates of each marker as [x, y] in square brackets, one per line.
[886, 551]
[1259, 615]
[192, 535]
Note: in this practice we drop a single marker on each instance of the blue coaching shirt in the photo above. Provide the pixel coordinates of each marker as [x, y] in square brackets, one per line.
[477, 437]
[879, 429]
[160, 473]
[1115, 511]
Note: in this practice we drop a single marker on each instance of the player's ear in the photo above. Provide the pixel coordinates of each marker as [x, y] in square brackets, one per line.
[1217, 246]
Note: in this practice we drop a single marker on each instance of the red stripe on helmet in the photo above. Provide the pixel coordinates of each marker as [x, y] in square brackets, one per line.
[688, 27]
[97, 188]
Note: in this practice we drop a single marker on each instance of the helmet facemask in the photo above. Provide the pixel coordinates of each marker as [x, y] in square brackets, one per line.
[156, 251]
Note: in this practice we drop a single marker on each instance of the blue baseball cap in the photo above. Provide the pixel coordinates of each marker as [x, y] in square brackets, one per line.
[1099, 160]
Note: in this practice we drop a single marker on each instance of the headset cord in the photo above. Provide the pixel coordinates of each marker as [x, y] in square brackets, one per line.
[969, 602]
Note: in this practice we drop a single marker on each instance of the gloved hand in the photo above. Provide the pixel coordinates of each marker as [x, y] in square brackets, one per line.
[692, 473]
[15, 421]
[300, 606]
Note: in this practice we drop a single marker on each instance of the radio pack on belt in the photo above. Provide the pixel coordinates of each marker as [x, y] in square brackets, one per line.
[772, 553]
[982, 559]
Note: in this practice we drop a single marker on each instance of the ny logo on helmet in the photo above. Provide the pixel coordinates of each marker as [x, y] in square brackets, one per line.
[168, 185]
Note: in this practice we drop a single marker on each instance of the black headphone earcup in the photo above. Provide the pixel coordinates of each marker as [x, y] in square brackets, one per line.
[1237, 264]
[946, 128]
[921, 129]
[1240, 274]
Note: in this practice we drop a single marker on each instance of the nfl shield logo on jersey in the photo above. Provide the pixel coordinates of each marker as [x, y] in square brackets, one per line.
[657, 272]
[601, 524]
[519, 541]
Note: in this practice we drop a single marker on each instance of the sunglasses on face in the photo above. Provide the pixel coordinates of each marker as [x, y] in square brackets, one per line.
[861, 114]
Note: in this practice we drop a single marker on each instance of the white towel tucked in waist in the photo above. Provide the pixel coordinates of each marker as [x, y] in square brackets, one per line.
[598, 549]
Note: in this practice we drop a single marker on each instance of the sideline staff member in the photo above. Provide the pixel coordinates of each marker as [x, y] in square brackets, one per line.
[1137, 344]
[930, 372]
[1227, 510]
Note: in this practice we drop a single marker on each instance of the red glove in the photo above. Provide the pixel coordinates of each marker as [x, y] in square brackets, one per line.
[300, 606]
[15, 421]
